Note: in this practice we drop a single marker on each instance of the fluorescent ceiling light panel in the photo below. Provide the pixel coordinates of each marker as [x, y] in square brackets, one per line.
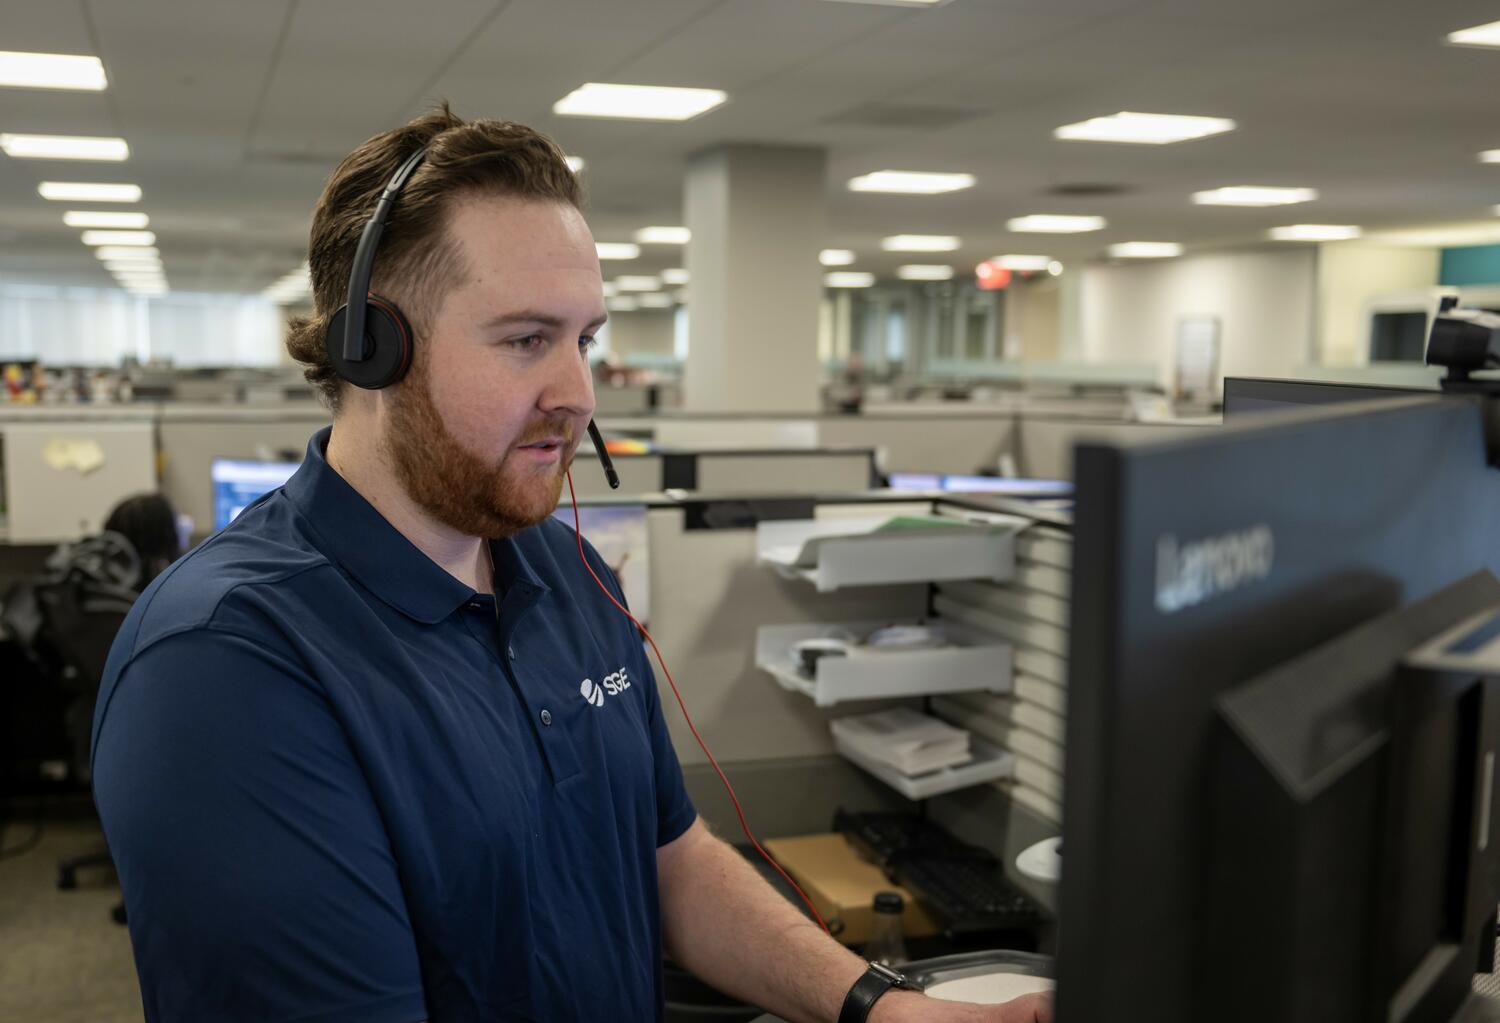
[675, 275]
[576, 164]
[1054, 223]
[118, 238]
[895, 3]
[109, 252]
[639, 102]
[1315, 233]
[924, 272]
[656, 300]
[848, 279]
[623, 304]
[640, 282]
[617, 250]
[1487, 36]
[1145, 250]
[836, 257]
[51, 71]
[1143, 129]
[910, 182]
[104, 218]
[610, 289]
[1254, 195]
[1023, 263]
[63, 147]
[75, 191]
[920, 243]
[126, 266]
[663, 236]
[1490, 156]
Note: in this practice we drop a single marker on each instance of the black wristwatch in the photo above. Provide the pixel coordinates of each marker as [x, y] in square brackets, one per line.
[877, 980]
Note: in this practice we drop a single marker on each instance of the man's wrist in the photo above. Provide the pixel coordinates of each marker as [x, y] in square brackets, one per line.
[913, 1007]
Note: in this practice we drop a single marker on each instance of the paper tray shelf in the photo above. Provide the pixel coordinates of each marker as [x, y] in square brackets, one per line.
[848, 553]
[974, 662]
[989, 764]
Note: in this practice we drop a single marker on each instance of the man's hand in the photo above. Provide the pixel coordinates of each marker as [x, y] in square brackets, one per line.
[908, 1007]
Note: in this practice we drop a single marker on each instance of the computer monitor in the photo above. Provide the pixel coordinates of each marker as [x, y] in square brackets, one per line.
[238, 483]
[1224, 585]
[1006, 486]
[1248, 394]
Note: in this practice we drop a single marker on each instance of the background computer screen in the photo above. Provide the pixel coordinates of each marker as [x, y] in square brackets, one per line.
[238, 483]
[1245, 394]
[1004, 485]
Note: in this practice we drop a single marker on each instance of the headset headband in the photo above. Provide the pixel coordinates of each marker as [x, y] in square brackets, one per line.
[364, 258]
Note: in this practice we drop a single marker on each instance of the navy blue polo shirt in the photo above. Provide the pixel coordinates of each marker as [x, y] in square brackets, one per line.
[338, 784]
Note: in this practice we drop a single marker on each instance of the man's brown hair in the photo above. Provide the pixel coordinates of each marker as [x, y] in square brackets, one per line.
[417, 262]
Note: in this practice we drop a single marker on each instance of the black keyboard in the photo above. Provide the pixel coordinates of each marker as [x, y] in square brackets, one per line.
[967, 895]
[962, 885]
[885, 838]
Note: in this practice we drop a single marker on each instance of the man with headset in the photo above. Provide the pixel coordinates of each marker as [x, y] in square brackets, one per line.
[348, 753]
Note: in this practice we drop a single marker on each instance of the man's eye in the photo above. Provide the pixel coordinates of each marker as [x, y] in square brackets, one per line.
[530, 342]
[587, 342]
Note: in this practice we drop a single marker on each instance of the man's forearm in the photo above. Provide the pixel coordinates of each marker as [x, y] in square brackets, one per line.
[726, 925]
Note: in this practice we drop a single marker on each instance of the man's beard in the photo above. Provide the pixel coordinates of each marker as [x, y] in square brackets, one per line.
[458, 488]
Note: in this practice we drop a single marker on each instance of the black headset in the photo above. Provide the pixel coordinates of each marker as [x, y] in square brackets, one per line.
[369, 341]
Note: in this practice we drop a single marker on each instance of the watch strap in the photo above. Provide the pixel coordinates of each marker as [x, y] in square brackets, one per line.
[868, 990]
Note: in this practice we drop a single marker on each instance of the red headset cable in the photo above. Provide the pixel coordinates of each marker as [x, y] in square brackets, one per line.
[578, 531]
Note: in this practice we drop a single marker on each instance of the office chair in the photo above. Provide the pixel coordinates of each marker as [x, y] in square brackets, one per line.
[67, 620]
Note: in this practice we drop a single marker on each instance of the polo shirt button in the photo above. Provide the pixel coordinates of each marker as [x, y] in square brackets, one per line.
[546, 717]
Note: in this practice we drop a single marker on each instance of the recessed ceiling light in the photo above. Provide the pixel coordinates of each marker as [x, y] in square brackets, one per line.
[1145, 250]
[663, 236]
[109, 252]
[576, 164]
[1315, 232]
[675, 275]
[1054, 268]
[848, 279]
[1487, 36]
[63, 147]
[1051, 223]
[924, 272]
[51, 71]
[1254, 195]
[920, 243]
[638, 282]
[639, 102]
[74, 191]
[617, 250]
[1024, 263]
[656, 300]
[910, 182]
[104, 218]
[1144, 129]
[114, 238]
[896, 3]
[836, 257]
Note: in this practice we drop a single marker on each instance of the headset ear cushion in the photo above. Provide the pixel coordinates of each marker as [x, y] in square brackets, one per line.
[388, 345]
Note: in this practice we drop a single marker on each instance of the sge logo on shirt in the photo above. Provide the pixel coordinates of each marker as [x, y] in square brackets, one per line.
[614, 685]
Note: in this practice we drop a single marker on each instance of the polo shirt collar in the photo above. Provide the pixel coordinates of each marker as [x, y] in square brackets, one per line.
[357, 537]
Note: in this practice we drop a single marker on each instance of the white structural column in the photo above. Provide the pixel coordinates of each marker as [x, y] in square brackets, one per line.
[757, 216]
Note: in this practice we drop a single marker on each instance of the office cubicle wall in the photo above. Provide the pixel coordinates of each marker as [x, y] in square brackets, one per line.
[785, 472]
[639, 474]
[64, 473]
[1044, 447]
[940, 443]
[703, 433]
[192, 437]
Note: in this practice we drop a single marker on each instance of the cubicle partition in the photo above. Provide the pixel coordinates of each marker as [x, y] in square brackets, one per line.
[713, 600]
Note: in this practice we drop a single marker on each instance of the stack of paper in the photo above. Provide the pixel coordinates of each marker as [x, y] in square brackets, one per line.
[910, 742]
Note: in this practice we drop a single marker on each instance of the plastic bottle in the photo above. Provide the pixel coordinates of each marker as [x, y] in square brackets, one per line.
[886, 944]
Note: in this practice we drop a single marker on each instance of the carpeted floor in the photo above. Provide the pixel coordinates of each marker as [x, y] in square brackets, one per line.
[62, 958]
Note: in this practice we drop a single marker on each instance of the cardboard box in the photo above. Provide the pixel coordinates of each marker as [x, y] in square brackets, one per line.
[843, 886]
